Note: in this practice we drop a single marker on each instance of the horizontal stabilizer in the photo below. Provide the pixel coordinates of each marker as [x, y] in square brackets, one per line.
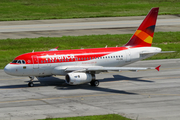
[156, 52]
[167, 51]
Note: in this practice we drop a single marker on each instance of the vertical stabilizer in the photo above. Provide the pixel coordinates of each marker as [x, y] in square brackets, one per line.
[144, 34]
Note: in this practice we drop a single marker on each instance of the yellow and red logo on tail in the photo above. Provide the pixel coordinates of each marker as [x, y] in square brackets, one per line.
[143, 36]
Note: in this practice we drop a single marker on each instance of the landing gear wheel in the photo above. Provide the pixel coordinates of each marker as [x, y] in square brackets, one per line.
[94, 83]
[30, 84]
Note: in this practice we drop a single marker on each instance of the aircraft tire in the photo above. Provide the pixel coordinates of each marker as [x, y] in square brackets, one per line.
[94, 83]
[30, 84]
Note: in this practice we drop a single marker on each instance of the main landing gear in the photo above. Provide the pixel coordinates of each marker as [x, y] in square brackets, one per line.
[94, 82]
[30, 84]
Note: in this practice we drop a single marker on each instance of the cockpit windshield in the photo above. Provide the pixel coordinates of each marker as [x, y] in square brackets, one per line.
[19, 61]
[14, 61]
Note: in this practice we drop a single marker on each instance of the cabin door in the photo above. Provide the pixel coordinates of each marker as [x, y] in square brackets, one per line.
[128, 55]
[35, 62]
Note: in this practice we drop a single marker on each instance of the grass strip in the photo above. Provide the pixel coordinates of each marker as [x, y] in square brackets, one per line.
[60, 9]
[10, 48]
[95, 117]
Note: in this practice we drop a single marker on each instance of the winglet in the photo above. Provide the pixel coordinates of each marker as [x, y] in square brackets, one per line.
[157, 68]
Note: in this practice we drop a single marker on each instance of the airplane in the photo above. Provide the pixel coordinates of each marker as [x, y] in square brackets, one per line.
[79, 66]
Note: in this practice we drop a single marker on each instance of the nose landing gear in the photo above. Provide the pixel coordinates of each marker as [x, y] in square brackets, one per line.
[30, 84]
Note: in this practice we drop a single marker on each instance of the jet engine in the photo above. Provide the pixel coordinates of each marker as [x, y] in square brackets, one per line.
[78, 78]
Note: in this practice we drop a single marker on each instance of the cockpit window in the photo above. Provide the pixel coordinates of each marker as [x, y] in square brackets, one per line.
[19, 61]
[14, 61]
[23, 62]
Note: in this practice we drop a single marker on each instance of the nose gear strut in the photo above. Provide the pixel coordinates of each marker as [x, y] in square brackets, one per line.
[30, 84]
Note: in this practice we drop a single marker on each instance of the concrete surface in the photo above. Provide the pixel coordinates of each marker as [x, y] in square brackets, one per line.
[83, 26]
[143, 95]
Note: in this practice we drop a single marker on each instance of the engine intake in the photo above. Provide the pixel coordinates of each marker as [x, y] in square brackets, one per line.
[78, 78]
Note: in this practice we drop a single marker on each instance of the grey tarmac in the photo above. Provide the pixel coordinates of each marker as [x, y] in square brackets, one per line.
[82, 26]
[142, 95]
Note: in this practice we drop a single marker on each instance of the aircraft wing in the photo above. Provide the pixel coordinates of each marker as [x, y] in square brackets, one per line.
[105, 69]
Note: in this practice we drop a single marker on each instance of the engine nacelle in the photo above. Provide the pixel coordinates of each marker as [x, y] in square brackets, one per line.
[78, 78]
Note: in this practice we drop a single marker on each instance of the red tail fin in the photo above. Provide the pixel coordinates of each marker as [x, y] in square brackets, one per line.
[144, 34]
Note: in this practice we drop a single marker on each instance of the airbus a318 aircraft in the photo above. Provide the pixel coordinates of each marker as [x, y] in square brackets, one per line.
[79, 66]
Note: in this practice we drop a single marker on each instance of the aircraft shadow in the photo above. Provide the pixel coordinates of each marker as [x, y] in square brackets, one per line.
[120, 78]
[116, 78]
[46, 81]
[17, 86]
[61, 85]
[92, 88]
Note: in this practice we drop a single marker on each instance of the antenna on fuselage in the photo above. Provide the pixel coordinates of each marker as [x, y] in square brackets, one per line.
[32, 51]
[106, 46]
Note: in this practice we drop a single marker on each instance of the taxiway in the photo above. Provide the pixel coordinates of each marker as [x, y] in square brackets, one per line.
[143, 95]
[82, 26]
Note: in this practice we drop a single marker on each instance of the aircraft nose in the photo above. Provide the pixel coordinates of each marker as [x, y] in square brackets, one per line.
[8, 69]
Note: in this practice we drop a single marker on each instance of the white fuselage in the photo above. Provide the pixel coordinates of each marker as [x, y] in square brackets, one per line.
[115, 59]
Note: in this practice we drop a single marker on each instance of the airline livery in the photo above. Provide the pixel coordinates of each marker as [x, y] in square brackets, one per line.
[79, 66]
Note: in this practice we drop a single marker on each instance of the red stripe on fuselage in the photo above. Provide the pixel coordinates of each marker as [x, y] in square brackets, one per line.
[62, 56]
